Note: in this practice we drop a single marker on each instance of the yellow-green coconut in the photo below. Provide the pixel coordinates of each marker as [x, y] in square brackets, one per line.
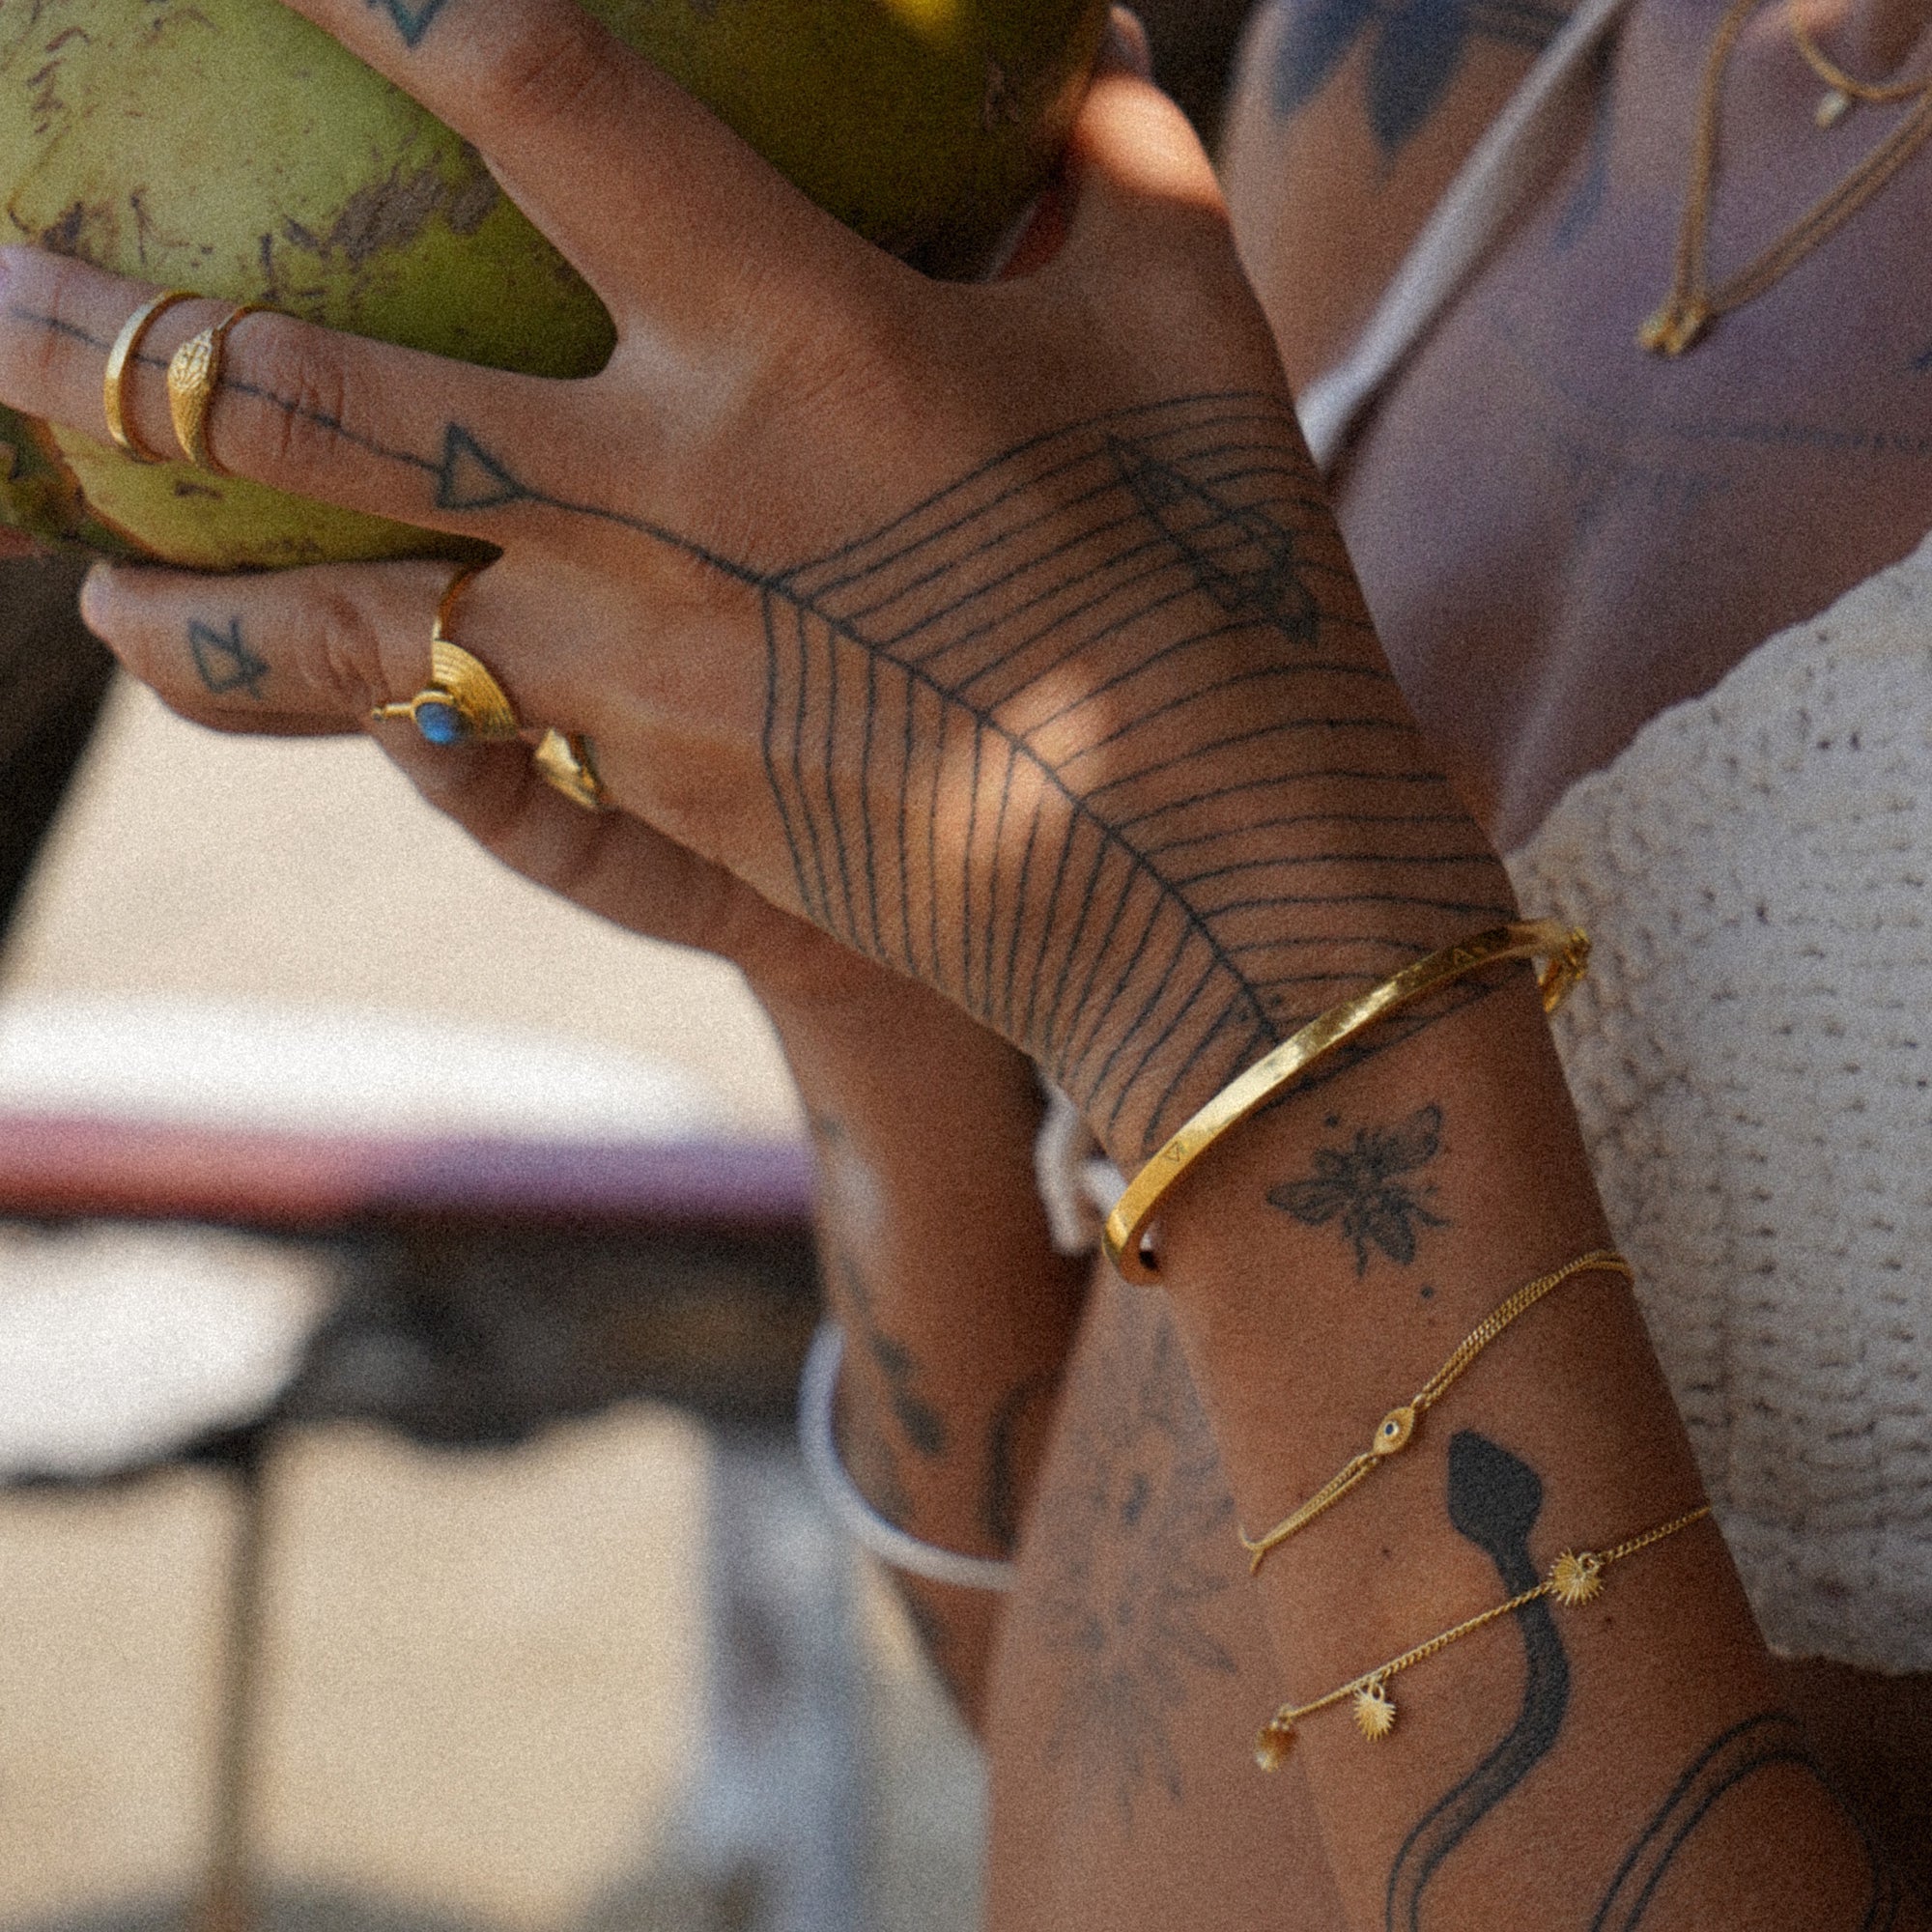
[230, 147]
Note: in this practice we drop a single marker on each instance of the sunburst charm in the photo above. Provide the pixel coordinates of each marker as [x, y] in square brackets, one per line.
[1576, 1578]
[1375, 1714]
[1273, 1743]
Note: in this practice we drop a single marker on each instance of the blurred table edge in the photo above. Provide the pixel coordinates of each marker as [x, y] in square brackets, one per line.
[56, 1165]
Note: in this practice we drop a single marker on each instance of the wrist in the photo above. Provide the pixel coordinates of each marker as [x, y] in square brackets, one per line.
[1140, 1071]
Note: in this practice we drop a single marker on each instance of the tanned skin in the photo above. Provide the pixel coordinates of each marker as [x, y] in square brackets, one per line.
[1000, 654]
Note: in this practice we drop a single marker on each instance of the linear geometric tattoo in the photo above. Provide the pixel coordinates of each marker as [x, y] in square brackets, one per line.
[1360, 1183]
[412, 22]
[1110, 923]
[1732, 1758]
[1416, 53]
[1495, 1499]
[223, 661]
[469, 478]
[1106, 659]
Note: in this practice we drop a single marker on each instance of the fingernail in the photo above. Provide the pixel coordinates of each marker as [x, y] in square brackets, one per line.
[1126, 45]
[96, 591]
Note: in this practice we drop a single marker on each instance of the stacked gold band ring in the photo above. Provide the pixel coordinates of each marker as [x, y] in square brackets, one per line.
[194, 379]
[119, 358]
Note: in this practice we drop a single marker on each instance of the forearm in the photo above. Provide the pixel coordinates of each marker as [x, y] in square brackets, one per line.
[1532, 1759]
[1197, 811]
[1325, 1259]
[958, 1313]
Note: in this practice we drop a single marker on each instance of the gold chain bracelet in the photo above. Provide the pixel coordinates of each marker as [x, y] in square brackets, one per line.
[1575, 1577]
[1397, 1429]
[1568, 951]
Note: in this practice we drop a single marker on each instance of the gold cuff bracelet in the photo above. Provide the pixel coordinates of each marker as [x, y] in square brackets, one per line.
[1568, 951]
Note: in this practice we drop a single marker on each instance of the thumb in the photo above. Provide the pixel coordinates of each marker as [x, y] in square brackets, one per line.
[1124, 51]
[1132, 155]
[1125, 48]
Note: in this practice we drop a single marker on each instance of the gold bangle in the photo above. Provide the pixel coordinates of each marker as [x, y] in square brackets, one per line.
[1575, 1577]
[1396, 1430]
[1569, 954]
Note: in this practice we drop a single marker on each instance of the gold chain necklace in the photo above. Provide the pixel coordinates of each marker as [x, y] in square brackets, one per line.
[1842, 89]
[1693, 305]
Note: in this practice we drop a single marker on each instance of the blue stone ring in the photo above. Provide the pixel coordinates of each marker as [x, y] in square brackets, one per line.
[463, 705]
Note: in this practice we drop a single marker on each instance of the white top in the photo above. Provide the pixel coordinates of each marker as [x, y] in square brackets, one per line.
[1751, 1059]
[1751, 1055]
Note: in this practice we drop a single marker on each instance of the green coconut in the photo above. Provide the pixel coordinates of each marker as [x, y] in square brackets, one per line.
[230, 147]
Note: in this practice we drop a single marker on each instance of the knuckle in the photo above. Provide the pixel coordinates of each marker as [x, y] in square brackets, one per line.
[556, 65]
[297, 392]
[574, 865]
[347, 652]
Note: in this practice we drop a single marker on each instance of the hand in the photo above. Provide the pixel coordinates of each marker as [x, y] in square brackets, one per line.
[943, 616]
[336, 620]
[353, 621]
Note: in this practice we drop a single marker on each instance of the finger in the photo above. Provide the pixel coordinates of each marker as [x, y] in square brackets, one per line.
[610, 862]
[1126, 48]
[555, 101]
[299, 651]
[1133, 156]
[308, 652]
[363, 424]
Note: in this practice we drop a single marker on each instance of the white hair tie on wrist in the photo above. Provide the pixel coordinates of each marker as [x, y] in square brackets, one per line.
[817, 1387]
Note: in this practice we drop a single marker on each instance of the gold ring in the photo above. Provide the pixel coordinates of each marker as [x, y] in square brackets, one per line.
[194, 376]
[462, 704]
[127, 346]
[565, 763]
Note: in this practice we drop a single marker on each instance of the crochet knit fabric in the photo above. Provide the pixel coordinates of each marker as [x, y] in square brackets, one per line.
[1752, 1057]
[1751, 1060]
